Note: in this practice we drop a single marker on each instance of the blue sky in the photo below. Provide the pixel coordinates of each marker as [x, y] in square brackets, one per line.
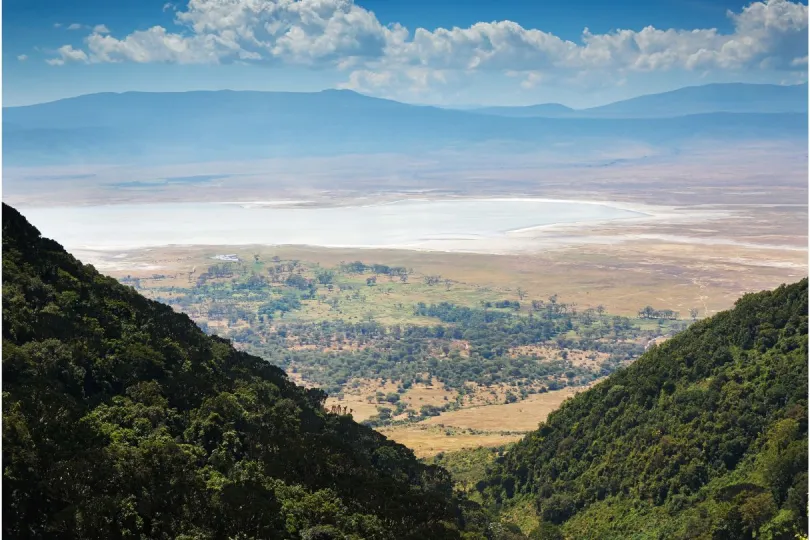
[447, 52]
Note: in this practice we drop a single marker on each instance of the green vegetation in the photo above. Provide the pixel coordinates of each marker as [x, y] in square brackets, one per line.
[414, 353]
[704, 436]
[121, 419]
[468, 467]
[333, 326]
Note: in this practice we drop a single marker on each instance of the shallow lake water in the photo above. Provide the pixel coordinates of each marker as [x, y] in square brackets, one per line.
[462, 225]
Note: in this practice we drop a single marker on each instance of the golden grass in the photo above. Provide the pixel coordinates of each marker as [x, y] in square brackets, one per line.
[492, 425]
[421, 394]
[426, 441]
[521, 416]
[359, 407]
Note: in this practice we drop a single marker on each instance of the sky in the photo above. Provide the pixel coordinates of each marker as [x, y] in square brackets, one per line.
[455, 53]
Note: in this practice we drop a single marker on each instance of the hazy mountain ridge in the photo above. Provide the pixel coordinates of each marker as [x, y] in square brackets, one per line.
[710, 98]
[227, 125]
[541, 110]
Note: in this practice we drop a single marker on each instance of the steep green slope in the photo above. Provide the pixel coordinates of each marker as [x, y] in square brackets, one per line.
[704, 436]
[121, 419]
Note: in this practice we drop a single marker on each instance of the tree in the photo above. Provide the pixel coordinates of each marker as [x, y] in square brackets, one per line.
[647, 312]
[521, 293]
[693, 313]
[547, 531]
[325, 277]
[432, 280]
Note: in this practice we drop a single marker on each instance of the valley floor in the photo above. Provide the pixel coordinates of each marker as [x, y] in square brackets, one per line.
[724, 224]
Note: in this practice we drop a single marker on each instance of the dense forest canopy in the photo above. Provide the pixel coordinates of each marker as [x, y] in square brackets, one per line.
[704, 436]
[122, 419]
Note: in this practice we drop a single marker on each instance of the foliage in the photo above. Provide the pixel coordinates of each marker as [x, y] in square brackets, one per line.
[410, 353]
[446, 342]
[704, 436]
[467, 466]
[121, 419]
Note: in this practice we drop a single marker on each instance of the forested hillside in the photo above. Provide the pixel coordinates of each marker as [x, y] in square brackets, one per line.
[704, 436]
[122, 419]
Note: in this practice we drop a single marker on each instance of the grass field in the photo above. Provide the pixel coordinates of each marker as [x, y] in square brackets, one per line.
[521, 416]
[471, 427]
[427, 441]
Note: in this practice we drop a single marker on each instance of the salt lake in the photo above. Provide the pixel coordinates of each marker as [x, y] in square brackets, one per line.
[448, 225]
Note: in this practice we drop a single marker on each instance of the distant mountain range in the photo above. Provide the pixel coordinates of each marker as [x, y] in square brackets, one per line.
[137, 127]
[711, 98]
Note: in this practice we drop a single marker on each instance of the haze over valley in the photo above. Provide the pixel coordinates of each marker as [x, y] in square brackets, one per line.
[679, 199]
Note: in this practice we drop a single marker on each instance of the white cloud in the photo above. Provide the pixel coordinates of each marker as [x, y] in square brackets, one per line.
[67, 54]
[530, 79]
[410, 82]
[75, 26]
[771, 34]
[154, 45]
[101, 29]
[167, 6]
[22, 57]
[57, 25]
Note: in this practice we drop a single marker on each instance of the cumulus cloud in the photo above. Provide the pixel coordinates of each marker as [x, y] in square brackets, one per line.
[101, 29]
[67, 54]
[410, 82]
[770, 34]
[75, 26]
